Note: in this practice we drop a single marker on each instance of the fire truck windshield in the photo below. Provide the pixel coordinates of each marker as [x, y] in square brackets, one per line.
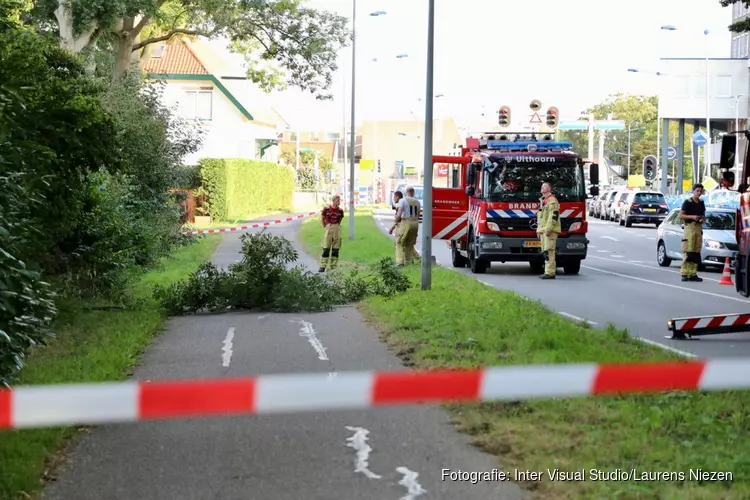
[522, 181]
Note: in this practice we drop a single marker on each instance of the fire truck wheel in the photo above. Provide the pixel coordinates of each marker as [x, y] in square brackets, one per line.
[477, 265]
[457, 259]
[572, 267]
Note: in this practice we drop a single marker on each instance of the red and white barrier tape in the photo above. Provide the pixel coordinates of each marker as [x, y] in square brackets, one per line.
[252, 226]
[49, 406]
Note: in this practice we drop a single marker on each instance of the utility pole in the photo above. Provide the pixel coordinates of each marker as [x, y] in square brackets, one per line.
[427, 198]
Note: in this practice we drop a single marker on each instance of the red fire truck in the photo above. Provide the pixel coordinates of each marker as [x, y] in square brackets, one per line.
[488, 208]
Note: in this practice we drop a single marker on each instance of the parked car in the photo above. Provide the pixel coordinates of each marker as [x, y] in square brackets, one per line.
[418, 194]
[613, 212]
[595, 205]
[605, 203]
[723, 197]
[719, 240]
[643, 207]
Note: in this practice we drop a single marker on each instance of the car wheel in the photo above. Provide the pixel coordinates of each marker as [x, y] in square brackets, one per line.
[622, 221]
[628, 223]
[661, 255]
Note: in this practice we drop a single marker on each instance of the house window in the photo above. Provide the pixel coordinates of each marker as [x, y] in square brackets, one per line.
[158, 51]
[293, 137]
[198, 104]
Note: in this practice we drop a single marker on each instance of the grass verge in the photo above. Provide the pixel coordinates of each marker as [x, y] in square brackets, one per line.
[91, 346]
[463, 323]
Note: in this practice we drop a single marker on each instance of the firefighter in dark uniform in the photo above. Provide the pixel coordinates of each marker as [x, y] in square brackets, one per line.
[331, 218]
[693, 214]
[548, 229]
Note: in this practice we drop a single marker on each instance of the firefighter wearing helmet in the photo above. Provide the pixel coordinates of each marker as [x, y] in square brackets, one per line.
[548, 220]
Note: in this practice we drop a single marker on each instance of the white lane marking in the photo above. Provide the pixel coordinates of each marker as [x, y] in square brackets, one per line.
[602, 251]
[635, 263]
[576, 318]
[332, 374]
[226, 357]
[652, 238]
[262, 316]
[724, 297]
[307, 330]
[410, 482]
[617, 256]
[592, 246]
[609, 238]
[358, 442]
[667, 348]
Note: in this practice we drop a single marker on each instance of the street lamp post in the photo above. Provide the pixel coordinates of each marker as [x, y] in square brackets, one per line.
[427, 190]
[736, 130]
[353, 123]
[660, 164]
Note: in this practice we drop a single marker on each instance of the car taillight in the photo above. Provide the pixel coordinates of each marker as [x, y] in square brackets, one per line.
[635, 205]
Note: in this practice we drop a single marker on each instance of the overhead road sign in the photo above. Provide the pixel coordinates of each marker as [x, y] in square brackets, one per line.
[609, 125]
[573, 125]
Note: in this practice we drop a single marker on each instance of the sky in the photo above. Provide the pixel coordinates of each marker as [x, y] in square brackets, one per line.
[489, 53]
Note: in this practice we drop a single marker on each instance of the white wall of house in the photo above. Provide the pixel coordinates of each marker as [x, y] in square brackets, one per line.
[228, 134]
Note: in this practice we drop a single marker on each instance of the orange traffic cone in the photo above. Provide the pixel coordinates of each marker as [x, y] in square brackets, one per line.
[726, 276]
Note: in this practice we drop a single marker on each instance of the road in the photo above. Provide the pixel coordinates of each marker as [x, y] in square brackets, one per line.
[352, 455]
[620, 282]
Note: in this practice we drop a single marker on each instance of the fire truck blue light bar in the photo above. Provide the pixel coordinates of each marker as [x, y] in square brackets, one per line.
[540, 146]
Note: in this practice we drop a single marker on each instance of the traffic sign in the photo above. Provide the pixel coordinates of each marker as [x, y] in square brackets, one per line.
[671, 153]
[699, 138]
[535, 118]
[609, 125]
[573, 125]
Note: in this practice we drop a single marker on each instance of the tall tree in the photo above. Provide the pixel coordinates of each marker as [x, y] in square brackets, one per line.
[284, 42]
[743, 25]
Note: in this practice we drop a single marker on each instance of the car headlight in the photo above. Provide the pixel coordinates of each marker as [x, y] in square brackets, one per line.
[713, 244]
[493, 227]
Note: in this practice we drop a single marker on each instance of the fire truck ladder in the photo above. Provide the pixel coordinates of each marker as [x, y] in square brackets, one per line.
[685, 328]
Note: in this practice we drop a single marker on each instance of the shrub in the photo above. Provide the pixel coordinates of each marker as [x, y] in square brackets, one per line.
[238, 188]
[263, 280]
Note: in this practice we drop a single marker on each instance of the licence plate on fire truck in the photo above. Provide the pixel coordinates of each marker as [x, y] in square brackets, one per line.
[532, 244]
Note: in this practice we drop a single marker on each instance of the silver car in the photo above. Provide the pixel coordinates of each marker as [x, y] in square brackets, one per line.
[719, 240]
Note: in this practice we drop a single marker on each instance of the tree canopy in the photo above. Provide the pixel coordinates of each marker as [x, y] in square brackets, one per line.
[743, 25]
[283, 42]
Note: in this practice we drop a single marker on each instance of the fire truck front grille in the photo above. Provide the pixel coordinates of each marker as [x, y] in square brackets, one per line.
[507, 224]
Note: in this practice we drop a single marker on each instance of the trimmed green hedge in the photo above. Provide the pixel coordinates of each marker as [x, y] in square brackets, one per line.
[238, 188]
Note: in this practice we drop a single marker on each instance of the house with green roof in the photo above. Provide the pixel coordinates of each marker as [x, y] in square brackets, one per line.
[238, 120]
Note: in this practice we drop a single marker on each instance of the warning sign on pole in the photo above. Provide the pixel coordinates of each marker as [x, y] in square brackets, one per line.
[535, 118]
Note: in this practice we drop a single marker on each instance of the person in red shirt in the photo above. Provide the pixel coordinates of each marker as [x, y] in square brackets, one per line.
[331, 218]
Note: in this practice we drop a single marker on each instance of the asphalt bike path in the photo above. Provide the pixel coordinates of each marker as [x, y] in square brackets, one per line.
[622, 285]
[383, 453]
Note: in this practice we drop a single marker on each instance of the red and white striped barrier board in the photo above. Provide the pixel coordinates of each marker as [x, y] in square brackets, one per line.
[708, 325]
[252, 226]
[49, 406]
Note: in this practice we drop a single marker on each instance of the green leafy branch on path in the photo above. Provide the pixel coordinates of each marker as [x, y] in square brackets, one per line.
[263, 280]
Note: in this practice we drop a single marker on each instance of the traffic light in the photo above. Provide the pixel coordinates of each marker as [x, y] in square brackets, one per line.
[553, 115]
[504, 116]
[649, 167]
[378, 166]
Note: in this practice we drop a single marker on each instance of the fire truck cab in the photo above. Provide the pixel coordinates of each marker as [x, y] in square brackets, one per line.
[488, 208]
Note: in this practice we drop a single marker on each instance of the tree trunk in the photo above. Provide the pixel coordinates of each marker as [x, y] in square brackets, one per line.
[123, 55]
[68, 38]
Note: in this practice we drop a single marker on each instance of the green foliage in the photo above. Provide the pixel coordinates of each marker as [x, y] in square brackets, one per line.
[86, 166]
[742, 25]
[639, 114]
[238, 187]
[284, 42]
[263, 280]
[305, 178]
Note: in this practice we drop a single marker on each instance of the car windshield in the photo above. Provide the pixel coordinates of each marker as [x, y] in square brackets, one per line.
[720, 197]
[522, 181]
[650, 198]
[719, 220]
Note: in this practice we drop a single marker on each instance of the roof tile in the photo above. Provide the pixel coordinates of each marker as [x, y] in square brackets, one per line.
[178, 58]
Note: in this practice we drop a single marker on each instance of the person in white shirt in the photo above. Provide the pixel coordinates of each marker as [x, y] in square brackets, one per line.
[407, 216]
